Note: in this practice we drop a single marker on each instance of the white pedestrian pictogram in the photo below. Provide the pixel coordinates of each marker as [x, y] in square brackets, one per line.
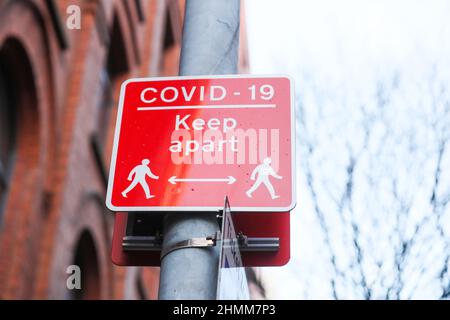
[264, 170]
[140, 172]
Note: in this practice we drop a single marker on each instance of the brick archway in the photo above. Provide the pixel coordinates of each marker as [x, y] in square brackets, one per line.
[23, 48]
[91, 219]
[85, 257]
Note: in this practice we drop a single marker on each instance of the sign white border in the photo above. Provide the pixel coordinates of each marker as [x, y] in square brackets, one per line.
[194, 208]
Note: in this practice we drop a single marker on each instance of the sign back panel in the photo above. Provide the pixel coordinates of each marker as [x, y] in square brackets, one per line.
[251, 224]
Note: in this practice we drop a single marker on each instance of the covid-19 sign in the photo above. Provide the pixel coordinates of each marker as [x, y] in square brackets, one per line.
[184, 143]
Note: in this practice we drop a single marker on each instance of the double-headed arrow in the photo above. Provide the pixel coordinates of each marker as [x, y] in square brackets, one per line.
[229, 180]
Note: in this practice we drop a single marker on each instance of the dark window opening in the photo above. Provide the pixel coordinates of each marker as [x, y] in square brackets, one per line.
[117, 54]
[106, 104]
[116, 65]
[169, 38]
[86, 259]
[141, 294]
[8, 128]
[140, 10]
[170, 53]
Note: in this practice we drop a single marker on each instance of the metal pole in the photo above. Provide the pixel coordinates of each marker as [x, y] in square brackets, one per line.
[210, 46]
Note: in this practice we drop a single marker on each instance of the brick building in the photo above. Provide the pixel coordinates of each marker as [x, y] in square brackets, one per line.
[58, 101]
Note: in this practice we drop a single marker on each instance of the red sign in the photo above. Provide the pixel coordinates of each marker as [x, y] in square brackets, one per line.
[184, 143]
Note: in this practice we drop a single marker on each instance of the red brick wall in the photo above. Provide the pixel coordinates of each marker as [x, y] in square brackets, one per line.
[57, 190]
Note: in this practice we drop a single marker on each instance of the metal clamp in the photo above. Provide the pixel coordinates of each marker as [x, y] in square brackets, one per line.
[191, 243]
[246, 244]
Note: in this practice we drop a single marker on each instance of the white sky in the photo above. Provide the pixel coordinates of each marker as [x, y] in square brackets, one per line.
[339, 43]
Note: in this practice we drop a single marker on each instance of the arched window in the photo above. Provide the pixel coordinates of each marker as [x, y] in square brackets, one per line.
[7, 128]
[171, 50]
[116, 65]
[86, 258]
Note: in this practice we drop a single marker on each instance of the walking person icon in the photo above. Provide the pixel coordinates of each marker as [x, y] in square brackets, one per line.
[140, 172]
[264, 171]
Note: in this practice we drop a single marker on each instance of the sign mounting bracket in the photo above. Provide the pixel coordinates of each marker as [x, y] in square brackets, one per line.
[154, 243]
[191, 243]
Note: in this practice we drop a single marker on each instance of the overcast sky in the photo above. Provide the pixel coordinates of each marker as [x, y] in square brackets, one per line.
[338, 44]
